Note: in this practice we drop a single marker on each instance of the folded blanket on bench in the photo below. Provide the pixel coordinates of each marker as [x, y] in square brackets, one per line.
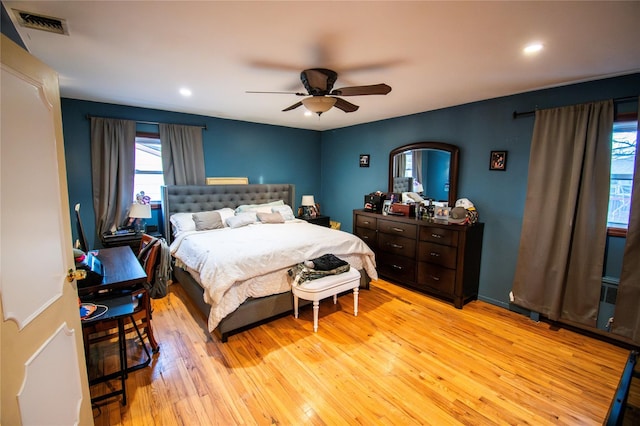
[320, 267]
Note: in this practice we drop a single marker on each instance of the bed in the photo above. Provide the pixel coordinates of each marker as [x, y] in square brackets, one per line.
[231, 295]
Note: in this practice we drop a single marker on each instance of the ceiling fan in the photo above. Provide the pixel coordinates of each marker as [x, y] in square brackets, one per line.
[321, 96]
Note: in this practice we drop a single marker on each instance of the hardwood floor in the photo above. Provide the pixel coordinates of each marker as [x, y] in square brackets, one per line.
[405, 359]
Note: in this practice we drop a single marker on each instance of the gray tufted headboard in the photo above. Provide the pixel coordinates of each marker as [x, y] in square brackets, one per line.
[198, 198]
[402, 184]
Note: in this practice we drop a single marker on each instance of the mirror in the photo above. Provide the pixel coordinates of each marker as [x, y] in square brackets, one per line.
[428, 168]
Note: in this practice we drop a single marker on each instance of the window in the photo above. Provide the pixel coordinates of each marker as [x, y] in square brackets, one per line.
[148, 174]
[408, 165]
[623, 153]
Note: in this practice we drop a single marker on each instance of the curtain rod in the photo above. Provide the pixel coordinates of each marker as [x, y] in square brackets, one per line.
[202, 126]
[616, 100]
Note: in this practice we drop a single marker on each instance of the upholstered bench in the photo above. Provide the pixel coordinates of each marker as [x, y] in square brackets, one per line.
[316, 290]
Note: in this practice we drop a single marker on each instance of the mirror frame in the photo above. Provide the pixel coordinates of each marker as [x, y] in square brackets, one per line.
[441, 146]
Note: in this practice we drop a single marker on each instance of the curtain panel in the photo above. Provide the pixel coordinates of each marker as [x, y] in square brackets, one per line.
[182, 154]
[564, 230]
[112, 164]
[627, 312]
[416, 164]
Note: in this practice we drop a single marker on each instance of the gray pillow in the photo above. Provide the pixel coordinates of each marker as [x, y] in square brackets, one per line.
[207, 220]
[270, 217]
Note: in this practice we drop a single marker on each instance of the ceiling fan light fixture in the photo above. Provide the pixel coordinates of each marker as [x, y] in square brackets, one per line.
[319, 104]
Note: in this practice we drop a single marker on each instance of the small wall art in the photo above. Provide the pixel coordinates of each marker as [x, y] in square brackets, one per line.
[498, 160]
[364, 160]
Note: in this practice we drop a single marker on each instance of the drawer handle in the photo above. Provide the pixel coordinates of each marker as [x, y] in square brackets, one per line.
[435, 278]
[364, 237]
[434, 254]
[398, 229]
[436, 236]
[396, 246]
[399, 268]
[366, 222]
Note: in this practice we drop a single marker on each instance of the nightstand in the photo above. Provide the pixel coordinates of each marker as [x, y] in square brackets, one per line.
[318, 220]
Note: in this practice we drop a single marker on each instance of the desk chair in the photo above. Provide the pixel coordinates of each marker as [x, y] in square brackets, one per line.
[149, 258]
[139, 296]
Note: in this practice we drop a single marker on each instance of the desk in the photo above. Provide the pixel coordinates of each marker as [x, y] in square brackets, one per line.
[121, 270]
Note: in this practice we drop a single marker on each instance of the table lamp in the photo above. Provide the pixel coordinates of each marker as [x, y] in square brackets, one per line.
[140, 212]
[308, 206]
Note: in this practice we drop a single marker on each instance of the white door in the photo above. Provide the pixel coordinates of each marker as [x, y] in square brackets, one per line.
[44, 378]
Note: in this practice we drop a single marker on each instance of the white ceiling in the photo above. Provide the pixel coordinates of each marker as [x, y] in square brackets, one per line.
[433, 54]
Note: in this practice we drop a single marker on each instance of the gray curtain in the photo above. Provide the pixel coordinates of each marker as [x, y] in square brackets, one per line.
[416, 165]
[182, 154]
[564, 230]
[113, 144]
[627, 313]
[399, 165]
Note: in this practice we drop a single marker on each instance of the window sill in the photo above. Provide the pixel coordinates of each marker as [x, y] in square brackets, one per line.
[617, 232]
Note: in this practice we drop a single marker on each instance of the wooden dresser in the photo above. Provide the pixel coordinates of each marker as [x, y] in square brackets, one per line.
[434, 258]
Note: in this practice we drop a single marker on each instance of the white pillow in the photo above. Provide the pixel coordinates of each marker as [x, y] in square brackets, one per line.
[182, 222]
[254, 207]
[240, 220]
[226, 213]
[285, 211]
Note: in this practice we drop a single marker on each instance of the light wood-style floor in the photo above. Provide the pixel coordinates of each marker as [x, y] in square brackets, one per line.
[405, 359]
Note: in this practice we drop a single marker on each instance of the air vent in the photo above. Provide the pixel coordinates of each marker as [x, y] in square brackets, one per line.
[41, 22]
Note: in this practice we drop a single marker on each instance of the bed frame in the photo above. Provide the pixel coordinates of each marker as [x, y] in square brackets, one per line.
[196, 198]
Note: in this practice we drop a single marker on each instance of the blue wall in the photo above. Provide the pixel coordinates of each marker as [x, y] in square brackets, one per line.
[264, 153]
[477, 128]
[326, 164]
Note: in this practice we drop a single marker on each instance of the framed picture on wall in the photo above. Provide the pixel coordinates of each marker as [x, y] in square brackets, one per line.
[364, 160]
[498, 160]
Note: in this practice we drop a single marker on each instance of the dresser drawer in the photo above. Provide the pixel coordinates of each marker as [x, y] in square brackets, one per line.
[397, 228]
[365, 222]
[396, 267]
[436, 277]
[367, 235]
[439, 235]
[438, 254]
[397, 245]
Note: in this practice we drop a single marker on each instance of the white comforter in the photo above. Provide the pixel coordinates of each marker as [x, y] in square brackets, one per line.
[251, 261]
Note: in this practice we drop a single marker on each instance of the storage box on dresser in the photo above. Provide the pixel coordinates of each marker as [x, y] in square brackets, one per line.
[435, 258]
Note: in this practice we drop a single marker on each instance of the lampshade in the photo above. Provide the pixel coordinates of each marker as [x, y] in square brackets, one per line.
[142, 211]
[307, 200]
[319, 104]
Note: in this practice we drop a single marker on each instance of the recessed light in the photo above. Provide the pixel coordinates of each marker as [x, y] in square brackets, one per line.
[185, 92]
[533, 48]
[308, 113]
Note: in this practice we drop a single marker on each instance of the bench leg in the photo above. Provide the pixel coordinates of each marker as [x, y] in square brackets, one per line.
[355, 302]
[335, 299]
[295, 306]
[316, 308]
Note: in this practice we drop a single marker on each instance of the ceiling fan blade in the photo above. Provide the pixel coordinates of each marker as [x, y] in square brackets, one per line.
[345, 106]
[294, 106]
[374, 89]
[279, 93]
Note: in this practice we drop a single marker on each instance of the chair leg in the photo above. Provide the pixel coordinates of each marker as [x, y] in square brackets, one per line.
[146, 301]
[122, 343]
